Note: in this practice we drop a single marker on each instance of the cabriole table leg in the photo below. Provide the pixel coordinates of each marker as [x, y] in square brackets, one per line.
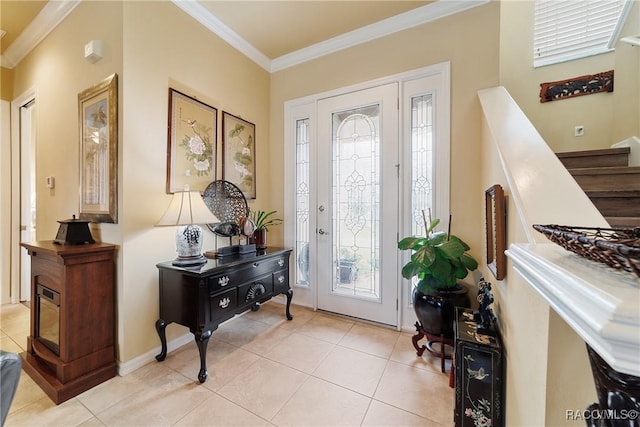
[202, 339]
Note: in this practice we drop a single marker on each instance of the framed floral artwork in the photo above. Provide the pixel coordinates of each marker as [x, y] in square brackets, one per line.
[191, 144]
[98, 122]
[239, 153]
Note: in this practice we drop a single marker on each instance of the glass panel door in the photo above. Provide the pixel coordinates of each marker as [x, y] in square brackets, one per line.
[358, 204]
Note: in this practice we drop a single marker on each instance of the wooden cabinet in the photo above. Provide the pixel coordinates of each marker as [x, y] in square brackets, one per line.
[71, 343]
[202, 297]
[478, 373]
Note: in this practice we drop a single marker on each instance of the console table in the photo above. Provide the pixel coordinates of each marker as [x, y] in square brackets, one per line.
[204, 296]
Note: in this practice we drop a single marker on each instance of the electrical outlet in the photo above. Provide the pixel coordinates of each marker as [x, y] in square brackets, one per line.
[579, 131]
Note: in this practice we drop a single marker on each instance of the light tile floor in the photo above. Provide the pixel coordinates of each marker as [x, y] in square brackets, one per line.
[316, 370]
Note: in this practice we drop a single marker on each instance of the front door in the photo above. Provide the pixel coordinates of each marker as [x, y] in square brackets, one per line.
[357, 204]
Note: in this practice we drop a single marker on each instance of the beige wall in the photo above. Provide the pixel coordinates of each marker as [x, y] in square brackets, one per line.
[6, 84]
[607, 117]
[57, 70]
[167, 48]
[473, 66]
[164, 48]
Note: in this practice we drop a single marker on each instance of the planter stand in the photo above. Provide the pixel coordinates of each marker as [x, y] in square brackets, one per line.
[431, 339]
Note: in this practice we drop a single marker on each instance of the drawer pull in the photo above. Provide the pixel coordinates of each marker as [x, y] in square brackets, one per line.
[280, 279]
[224, 302]
[223, 281]
[280, 262]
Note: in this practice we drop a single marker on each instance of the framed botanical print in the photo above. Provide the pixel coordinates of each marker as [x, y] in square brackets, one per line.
[239, 153]
[191, 143]
[98, 121]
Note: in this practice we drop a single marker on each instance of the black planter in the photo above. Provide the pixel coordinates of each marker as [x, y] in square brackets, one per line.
[436, 313]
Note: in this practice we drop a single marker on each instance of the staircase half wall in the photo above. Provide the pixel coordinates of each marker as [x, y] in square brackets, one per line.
[551, 301]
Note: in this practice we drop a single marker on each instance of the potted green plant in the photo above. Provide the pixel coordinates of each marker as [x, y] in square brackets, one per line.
[262, 221]
[439, 261]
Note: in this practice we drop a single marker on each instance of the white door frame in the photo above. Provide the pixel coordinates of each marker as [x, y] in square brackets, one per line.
[15, 250]
[5, 208]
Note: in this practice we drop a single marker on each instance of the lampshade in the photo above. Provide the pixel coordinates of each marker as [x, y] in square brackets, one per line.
[186, 208]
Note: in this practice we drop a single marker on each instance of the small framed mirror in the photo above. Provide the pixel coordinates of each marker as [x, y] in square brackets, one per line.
[495, 217]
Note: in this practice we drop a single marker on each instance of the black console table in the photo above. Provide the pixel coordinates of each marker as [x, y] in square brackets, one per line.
[204, 296]
[478, 366]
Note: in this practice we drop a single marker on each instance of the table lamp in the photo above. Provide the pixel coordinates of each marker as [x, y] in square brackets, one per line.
[187, 210]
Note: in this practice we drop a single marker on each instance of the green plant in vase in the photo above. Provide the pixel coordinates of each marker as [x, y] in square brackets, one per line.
[439, 261]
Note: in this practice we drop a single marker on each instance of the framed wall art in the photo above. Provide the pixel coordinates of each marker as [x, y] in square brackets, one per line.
[495, 216]
[98, 120]
[239, 153]
[577, 86]
[191, 143]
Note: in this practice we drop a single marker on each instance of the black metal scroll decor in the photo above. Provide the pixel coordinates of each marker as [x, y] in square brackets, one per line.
[577, 86]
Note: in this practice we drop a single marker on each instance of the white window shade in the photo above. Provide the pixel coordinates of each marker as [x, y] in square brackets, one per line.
[566, 30]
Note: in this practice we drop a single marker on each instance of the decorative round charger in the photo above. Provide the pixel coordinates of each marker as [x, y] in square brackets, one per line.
[227, 202]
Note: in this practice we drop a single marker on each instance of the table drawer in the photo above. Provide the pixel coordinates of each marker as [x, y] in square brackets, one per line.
[268, 266]
[222, 303]
[228, 279]
[252, 291]
[277, 263]
[245, 274]
[281, 280]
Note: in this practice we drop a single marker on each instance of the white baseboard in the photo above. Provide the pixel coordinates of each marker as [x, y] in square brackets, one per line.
[150, 356]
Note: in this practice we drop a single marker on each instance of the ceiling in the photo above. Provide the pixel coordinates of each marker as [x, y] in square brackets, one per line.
[275, 34]
[15, 16]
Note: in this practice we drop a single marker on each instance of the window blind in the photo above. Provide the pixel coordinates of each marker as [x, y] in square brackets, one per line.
[566, 30]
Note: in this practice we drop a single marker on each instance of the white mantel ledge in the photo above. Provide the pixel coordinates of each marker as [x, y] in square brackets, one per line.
[600, 303]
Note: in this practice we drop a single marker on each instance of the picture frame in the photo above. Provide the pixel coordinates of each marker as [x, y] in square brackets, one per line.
[495, 217]
[191, 143]
[98, 133]
[238, 153]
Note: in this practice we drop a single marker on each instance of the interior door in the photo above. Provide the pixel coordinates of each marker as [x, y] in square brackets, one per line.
[357, 204]
[27, 192]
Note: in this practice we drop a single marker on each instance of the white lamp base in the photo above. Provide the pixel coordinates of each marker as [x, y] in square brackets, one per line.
[189, 261]
[189, 246]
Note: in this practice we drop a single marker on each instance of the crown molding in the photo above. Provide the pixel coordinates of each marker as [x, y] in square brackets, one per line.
[413, 18]
[52, 14]
[203, 16]
[55, 12]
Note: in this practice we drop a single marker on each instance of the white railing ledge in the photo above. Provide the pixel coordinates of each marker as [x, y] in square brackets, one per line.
[600, 303]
